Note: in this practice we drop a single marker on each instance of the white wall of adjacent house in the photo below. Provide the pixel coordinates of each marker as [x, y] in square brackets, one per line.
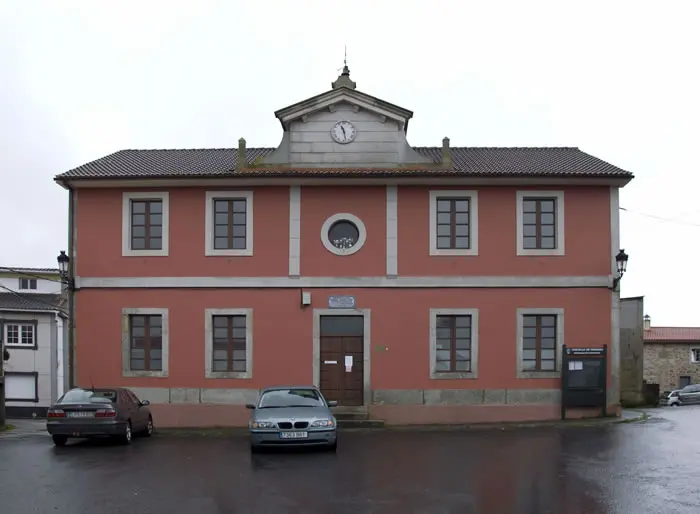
[30, 374]
[30, 284]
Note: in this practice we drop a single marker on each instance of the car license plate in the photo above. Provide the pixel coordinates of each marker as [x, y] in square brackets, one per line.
[294, 435]
[81, 414]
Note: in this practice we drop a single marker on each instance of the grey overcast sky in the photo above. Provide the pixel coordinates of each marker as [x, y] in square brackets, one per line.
[618, 79]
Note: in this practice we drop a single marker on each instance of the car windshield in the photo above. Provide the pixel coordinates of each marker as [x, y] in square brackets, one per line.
[89, 396]
[277, 398]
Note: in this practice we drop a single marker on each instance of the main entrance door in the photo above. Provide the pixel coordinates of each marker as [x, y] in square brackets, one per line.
[342, 355]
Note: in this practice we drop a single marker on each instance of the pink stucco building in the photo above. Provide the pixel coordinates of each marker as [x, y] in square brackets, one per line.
[417, 284]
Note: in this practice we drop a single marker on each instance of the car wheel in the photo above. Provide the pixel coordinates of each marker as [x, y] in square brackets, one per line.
[125, 438]
[254, 448]
[674, 405]
[59, 440]
[333, 447]
[149, 428]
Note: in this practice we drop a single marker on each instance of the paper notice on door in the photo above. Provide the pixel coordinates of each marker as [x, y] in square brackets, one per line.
[330, 362]
[348, 363]
[575, 365]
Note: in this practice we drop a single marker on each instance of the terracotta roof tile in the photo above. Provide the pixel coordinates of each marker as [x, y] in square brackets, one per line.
[672, 335]
[467, 161]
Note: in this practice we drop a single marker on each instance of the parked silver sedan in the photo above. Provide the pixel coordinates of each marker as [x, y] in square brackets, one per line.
[116, 413]
[292, 416]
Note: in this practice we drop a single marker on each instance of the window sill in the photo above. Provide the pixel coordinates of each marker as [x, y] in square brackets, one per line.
[539, 374]
[228, 374]
[210, 252]
[145, 374]
[21, 346]
[465, 375]
[145, 253]
[556, 252]
[452, 252]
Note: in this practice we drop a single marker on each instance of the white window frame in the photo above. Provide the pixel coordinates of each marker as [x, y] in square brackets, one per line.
[559, 313]
[19, 324]
[559, 229]
[30, 282]
[473, 222]
[209, 249]
[474, 373]
[209, 343]
[126, 342]
[692, 355]
[343, 216]
[127, 198]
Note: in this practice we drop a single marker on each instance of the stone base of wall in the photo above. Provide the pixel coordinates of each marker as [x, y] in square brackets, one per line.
[202, 415]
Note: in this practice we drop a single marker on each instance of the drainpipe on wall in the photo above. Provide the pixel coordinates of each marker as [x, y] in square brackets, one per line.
[71, 290]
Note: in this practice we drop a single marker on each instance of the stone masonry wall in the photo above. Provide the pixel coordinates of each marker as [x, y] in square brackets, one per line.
[665, 363]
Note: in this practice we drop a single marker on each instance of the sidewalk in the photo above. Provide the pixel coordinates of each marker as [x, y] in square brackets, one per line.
[23, 428]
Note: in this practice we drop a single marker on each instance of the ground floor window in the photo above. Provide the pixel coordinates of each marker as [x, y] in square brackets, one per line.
[146, 338]
[19, 335]
[453, 343]
[229, 343]
[539, 342]
[21, 386]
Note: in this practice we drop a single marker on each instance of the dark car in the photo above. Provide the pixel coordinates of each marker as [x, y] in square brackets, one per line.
[87, 413]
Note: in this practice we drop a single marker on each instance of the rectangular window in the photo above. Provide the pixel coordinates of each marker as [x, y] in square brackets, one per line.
[230, 223]
[20, 335]
[146, 342]
[453, 344]
[695, 355]
[229, 344]
[27, 283]
[539, 223]
[147, 224]
[454, 222]
[539, 351]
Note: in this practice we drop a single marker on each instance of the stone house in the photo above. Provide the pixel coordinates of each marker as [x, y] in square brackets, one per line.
[671, 355]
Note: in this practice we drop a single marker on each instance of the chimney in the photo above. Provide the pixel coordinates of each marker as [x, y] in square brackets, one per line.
[242, 163]
[647, 322]
[446, 153]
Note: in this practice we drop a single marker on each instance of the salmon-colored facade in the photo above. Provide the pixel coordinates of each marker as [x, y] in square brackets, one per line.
[374, 320]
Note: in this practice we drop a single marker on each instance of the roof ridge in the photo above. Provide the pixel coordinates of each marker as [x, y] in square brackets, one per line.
[202, 149]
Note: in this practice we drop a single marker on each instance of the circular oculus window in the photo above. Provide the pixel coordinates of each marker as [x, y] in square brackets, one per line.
[343, 234]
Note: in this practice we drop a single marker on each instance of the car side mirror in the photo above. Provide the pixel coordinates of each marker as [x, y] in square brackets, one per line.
[333, 403]
[250, 406]
[145, 403]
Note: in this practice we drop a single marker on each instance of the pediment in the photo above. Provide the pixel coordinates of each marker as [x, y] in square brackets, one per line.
[330, 100]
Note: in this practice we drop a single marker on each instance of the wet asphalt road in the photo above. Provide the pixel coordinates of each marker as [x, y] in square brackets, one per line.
[648, 467]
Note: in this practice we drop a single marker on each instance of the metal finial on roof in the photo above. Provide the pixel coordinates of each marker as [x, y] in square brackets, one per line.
[343, 79]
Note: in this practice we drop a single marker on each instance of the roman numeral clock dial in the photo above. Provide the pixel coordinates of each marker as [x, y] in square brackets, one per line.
[343, 132]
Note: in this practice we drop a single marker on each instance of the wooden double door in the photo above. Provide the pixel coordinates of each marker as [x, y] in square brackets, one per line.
[342, 359]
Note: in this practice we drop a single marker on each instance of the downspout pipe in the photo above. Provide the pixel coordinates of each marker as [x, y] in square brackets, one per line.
[71, 288]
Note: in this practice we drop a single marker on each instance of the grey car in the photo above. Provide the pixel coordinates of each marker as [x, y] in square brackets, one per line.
[292, 417]
[86, 413]
[689, 395]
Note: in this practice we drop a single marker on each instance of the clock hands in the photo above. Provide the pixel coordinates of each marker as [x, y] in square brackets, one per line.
[345, 136]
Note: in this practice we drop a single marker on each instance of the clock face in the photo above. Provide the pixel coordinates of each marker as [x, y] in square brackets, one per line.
[343, 132]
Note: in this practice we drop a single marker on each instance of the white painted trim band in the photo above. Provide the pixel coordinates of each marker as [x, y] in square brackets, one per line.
[348, 282]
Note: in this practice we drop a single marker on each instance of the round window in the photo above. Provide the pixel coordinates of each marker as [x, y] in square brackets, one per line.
[343, 234]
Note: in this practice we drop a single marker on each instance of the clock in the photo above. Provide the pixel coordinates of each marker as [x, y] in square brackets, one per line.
[343, 132]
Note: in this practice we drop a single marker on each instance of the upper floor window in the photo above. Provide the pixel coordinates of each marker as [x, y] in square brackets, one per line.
[145, 346]
[540, 219]
[454, 221]
[695, 355]
[540, 340]
[27, 283]
[228, 343]
[229, 223]
[453, 343]
[145, 224]
[20, 334]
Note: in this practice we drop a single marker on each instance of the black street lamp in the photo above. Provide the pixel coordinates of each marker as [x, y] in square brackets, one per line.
[63, 262]
[621, 259]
